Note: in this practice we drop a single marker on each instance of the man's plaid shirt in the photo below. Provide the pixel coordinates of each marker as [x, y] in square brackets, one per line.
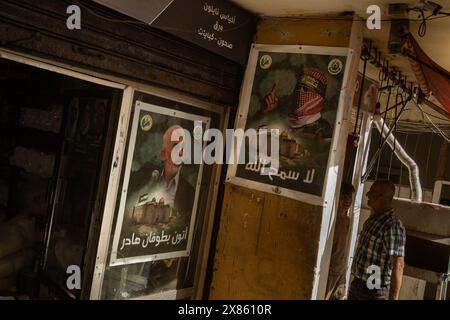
[382, 236]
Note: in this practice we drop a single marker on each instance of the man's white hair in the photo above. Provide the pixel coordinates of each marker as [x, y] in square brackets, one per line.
[168, 133]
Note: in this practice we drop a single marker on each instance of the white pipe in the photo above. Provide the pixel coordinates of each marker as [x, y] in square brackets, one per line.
[414, 178]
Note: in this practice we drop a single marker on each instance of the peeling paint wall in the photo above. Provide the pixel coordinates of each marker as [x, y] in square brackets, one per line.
[313, 32]
[266, 247]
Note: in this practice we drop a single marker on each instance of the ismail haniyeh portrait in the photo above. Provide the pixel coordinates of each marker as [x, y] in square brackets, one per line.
[159, 195]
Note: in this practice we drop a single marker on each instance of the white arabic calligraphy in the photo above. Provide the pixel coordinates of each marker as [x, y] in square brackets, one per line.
[210, 9]
[224, 43]
[273, 172]
[216, 12]
[218, 27]
[309, 176]
[230, 19]
[206, 35]
[155, 239]
[179, 237]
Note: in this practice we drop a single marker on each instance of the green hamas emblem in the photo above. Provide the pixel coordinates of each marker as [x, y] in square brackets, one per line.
[146, 122]
[265, 62]
[335, 67]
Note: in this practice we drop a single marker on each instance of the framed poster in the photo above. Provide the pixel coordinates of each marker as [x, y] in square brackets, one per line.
[297, 90]
[158, 200]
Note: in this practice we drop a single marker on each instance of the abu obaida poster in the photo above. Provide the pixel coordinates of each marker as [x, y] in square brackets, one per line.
[158, 203]
[298, 94]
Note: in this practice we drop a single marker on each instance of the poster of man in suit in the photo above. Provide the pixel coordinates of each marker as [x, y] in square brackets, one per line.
[157, 210]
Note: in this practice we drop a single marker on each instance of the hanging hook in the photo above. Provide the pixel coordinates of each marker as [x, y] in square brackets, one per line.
[402, 83]
[374, 58]
[386, 71]
[398, 79]
[365, 56]
[380, 75]
[378, 63]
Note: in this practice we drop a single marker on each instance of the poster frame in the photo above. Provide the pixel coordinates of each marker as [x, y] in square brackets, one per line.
[241, 119]
[142, 106]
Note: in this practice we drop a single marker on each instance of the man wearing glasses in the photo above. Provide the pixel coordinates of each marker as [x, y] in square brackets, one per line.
[381, 249]
[165, 184]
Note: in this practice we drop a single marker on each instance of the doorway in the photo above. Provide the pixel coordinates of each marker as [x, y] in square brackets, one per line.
[55, 138]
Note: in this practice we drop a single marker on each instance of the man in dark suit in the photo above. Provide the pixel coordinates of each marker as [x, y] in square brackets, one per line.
[167, 184]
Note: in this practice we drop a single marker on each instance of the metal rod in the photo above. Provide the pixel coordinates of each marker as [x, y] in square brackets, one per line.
[361, 88]
[390, 108]
[402, 155]
[401, 164]
[387, 105]
[377, 153]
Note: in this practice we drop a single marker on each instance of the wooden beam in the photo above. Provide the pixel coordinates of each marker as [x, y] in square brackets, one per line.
[442, 162]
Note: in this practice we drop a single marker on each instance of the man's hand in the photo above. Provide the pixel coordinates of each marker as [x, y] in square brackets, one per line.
[270, 100]
[398, 264]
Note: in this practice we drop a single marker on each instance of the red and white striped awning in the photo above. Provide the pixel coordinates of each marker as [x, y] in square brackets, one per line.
[432, 78]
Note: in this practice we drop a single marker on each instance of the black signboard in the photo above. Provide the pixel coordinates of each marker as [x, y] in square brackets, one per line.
[216, 25]
[144, 10]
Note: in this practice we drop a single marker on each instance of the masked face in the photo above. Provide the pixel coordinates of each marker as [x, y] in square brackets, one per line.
[310, 102]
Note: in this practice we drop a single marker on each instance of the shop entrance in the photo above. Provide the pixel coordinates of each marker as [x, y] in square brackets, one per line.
[56, 135]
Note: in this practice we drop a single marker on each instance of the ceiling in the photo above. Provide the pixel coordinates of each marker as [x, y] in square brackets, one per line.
[297, 7]
[436, 42]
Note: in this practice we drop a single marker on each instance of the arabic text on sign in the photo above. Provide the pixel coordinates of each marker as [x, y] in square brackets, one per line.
[155, 239]
[283, 175]
[216, 12]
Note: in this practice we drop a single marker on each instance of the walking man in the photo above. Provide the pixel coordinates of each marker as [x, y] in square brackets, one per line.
[379, 258]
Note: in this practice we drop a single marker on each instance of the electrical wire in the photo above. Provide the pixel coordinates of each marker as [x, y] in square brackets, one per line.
[442, 15]
[423, 25]
[405, 126]
[435, 128]
[423, 20]
[390, 160]
[428, 156]
[434, 116]
[401, 164]
[438, 130]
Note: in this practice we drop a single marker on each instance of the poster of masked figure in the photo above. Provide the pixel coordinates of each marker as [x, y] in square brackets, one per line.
[297, 92]
[159, 196]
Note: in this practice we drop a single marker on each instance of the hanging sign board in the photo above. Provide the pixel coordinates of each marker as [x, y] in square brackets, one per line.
[143, 10]
[216, 25]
